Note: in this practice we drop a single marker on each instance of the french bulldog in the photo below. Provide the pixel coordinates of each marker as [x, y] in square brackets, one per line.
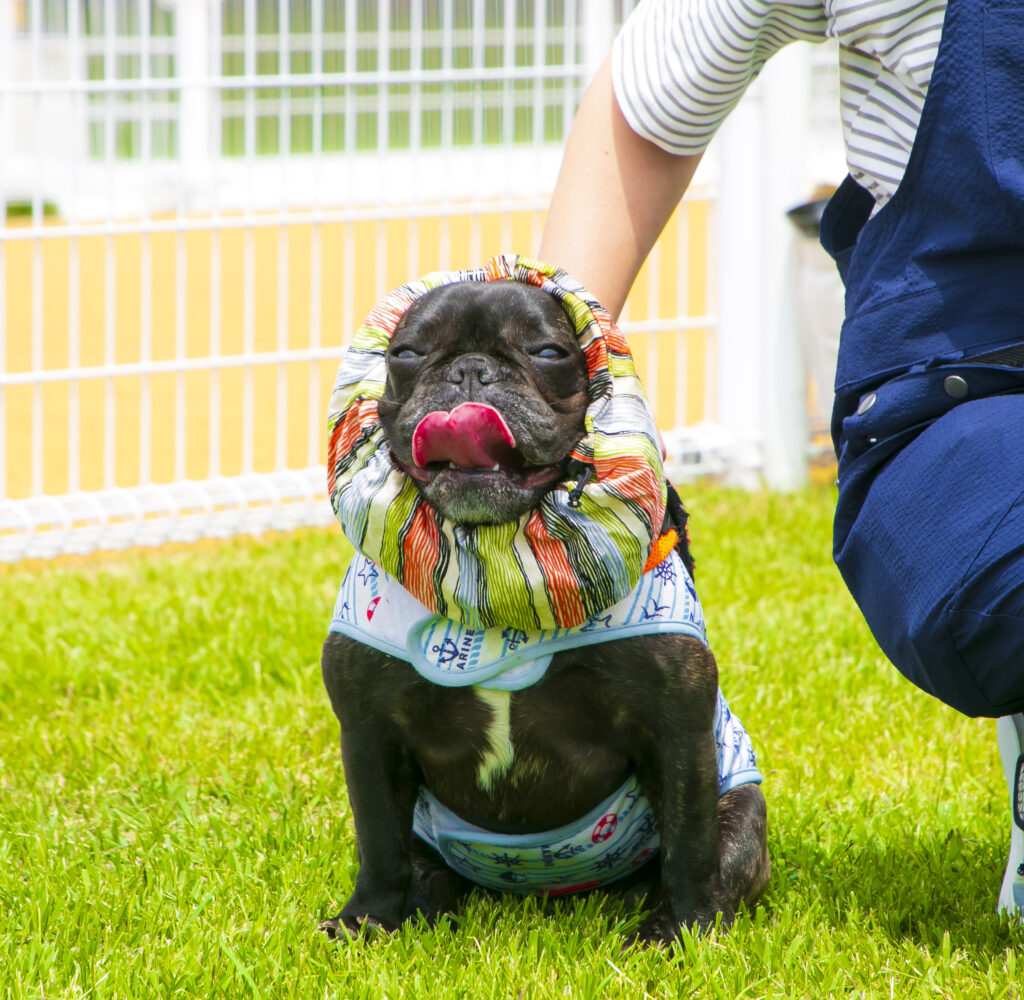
[486, 395]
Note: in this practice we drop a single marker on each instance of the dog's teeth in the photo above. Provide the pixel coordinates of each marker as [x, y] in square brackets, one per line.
[495, 468]
[452, 465]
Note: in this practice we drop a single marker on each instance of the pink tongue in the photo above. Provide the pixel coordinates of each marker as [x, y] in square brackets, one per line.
[473, 436]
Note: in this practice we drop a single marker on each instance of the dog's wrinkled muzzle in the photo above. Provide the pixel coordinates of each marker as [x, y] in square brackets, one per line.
[472, 436]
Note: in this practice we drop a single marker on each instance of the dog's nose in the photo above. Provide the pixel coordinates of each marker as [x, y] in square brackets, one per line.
[475, 367]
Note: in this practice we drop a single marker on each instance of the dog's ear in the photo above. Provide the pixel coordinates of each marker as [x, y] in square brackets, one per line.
[676, 514]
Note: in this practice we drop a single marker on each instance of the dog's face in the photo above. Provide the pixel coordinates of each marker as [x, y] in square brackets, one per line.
[486, 396]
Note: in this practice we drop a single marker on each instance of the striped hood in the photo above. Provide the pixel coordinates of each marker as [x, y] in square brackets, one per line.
[560, 563]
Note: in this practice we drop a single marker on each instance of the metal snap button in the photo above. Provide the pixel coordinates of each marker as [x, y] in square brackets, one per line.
[866, 403]
[955, 386]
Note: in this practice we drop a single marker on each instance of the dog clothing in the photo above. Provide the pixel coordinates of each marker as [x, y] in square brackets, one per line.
[585, 545]
[376, 610]
[607, 844]
[620, 833]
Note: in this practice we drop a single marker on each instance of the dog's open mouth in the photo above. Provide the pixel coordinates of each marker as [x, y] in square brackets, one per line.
[473, 443]
[525, 477]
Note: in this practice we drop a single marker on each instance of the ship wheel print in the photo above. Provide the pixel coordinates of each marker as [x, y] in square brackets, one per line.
[604, 828]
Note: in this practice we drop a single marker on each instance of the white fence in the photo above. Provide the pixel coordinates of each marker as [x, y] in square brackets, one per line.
[204, 198]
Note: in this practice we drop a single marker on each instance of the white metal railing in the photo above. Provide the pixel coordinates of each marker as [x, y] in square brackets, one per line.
[207, 196]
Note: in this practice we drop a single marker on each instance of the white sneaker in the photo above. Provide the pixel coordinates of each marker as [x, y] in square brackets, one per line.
[1010, 733]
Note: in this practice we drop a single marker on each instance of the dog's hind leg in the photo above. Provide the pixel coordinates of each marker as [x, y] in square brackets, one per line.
[744, 865]
[743, 848]
[434, 883]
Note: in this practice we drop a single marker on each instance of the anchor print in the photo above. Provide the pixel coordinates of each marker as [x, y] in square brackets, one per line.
[446, 652]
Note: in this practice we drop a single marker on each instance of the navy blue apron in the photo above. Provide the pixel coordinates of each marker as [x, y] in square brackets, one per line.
[928, 421]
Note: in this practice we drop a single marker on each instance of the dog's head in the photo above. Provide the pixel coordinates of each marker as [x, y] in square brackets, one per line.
[513, 365]
[486, 396]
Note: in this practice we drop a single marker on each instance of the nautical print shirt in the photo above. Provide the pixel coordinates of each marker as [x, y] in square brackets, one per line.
[619, 834]
[680, 67]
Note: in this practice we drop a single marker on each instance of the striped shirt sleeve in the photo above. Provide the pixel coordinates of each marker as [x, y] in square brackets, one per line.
[886, 56]
[680, 66]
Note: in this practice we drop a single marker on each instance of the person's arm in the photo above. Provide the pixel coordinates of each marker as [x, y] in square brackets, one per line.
[614, 195]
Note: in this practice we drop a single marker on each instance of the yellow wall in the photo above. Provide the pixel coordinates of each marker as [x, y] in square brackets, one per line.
[128, 263]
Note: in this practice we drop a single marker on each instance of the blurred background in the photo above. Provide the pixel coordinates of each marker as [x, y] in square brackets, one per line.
[202, 199]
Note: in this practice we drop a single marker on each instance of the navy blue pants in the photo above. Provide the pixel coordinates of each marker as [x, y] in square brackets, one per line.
[935, 556]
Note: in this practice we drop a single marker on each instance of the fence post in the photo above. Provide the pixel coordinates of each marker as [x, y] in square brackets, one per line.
[598, 32]
[6, 145]
[740, 277]
[787, 90]
[193, 24]
[6, 38]
[6, 77]
[762, 388]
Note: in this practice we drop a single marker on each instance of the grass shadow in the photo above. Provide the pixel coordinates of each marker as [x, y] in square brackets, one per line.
[911, 888]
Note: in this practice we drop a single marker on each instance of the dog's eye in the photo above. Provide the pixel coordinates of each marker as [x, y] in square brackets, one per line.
[405, 354]
[549, 352]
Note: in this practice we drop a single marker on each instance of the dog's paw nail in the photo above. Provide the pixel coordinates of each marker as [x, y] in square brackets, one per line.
[330, 928]
[338, 929]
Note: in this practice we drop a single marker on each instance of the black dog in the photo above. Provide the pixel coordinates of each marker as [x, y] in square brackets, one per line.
[641, 705]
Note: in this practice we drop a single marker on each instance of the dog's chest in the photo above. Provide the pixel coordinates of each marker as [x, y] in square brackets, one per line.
[537, 758]
[499, 753]
[526, 743]
[490, 750]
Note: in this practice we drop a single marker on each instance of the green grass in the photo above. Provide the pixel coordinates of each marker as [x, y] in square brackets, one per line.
[23, 209]
[173, 819]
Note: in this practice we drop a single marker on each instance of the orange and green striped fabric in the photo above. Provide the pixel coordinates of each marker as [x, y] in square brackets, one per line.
[559, 564]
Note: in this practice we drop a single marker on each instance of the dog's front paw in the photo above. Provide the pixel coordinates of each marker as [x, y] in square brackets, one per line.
[345, 927]
[662, 924]
[434, 894]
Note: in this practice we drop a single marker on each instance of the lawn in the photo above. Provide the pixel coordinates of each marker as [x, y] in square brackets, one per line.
[173, 819]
